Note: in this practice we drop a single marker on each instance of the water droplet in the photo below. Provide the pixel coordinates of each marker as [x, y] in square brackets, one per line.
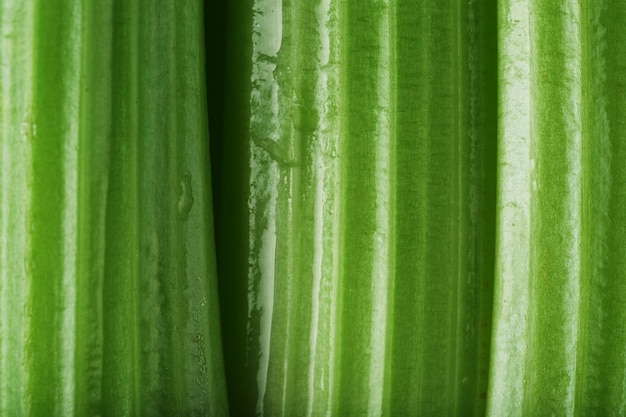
[185, 197]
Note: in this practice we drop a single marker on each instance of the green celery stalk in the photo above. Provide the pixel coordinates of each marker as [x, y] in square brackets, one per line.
[108, 298]
[356, 207]
[559, 316]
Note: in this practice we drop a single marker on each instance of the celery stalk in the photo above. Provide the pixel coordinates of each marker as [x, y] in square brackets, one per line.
[108, 298]
[558, 346]
[356, 207]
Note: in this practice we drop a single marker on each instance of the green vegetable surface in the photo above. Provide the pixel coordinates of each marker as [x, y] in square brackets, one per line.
[559, 345]
[419, 208]
[357, 207]
[108, 298]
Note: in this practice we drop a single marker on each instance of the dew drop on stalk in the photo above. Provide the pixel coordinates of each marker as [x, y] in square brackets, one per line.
[185, 197]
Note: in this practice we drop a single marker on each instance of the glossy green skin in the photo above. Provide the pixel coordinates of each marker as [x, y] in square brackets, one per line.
[108, 298]
[559, 316]
[356, 207]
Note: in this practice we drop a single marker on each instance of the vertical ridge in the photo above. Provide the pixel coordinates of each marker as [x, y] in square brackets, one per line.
[382, 275]
[412, 127]
[589, 252]
[549, 217]
[392, 215]
[367, 198]
[515, 166]
[121, 293]
[555, 234]
[53, 134]
[325, 144]
[343, 51]
[17, 67]
[602, 379]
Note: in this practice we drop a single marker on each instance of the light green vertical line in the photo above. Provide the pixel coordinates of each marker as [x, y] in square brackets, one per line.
[270, 152]
[323, 206]
[17, 67]
[513, 205]
[548, 370]
[591, 119]
[383, 259]
[303, 28]
[284, 392]
[392, 74]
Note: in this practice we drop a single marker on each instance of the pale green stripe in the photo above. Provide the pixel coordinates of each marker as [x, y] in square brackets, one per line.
[15, 170]
[326, 175]
[513, 250]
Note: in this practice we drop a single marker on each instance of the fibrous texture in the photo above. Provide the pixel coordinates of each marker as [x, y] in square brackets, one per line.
[357, 225]
[108, 298]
